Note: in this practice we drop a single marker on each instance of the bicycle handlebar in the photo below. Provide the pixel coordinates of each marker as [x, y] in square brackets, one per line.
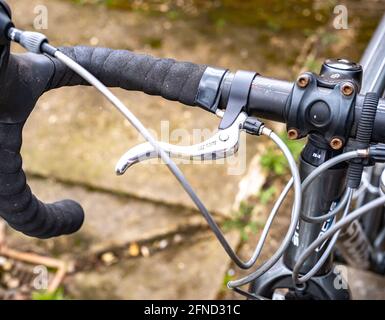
[23, 80]
[181, 81]
[176, 81]
[26, 77]
[268, 100]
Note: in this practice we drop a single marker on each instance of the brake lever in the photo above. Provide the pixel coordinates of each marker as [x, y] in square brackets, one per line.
[222, 144]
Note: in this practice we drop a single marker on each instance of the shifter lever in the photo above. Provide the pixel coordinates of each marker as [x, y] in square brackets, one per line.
[222, 144]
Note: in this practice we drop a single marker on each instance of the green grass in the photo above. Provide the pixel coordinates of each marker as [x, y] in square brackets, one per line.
[154, 42]
[273, 15]
[44, 295]
[242, 221]
[265, 195]
[274, 161]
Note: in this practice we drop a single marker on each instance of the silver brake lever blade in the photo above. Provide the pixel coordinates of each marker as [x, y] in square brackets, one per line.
[222, 144]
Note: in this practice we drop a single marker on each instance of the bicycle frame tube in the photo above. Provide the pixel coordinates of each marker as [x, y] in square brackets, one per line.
[373, 62]
[319, 198]
[326, 190]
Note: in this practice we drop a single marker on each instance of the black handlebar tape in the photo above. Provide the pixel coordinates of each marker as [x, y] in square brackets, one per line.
[18, 206]
[24, 78]
[176, 81]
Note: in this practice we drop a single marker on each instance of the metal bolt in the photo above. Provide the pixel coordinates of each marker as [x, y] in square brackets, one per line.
[303, 80]
[336, 143]
[223, 137]
[292, 134]
[347, 89]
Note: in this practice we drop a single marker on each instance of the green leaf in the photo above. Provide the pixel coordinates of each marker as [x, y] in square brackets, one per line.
[266, 195]
[44, 295]
[274, 161]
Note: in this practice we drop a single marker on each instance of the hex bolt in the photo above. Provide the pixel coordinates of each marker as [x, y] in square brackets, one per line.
[336, 143]
[347, 89]
[303, 81]
[293, 134]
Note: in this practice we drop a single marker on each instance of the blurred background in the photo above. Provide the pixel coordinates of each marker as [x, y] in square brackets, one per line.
[143, 238]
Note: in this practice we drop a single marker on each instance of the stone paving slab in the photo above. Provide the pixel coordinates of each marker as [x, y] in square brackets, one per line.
[366, 285]
[194, 271]
[111, 220]
[192, 268]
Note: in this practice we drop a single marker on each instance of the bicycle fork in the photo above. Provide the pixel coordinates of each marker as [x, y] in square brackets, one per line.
[318, 199]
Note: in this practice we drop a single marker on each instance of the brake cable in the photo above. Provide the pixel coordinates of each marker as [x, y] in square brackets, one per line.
[332, 213]
[361, 153]
[376, 153]
[366, 186]
[328, 250]
[38, 43]
[171, 165]
[356, 214]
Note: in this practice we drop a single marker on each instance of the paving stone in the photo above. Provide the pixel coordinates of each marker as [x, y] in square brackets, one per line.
[110, 220]
[366, 285]
[192, 268]
[195, 271]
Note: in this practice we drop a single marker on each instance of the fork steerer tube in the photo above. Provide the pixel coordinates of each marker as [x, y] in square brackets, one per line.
[318, 199]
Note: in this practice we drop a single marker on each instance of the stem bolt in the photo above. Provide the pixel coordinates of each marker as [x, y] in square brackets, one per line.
[303, 81]
[336, 143]
[347, 89]
[292, 134]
